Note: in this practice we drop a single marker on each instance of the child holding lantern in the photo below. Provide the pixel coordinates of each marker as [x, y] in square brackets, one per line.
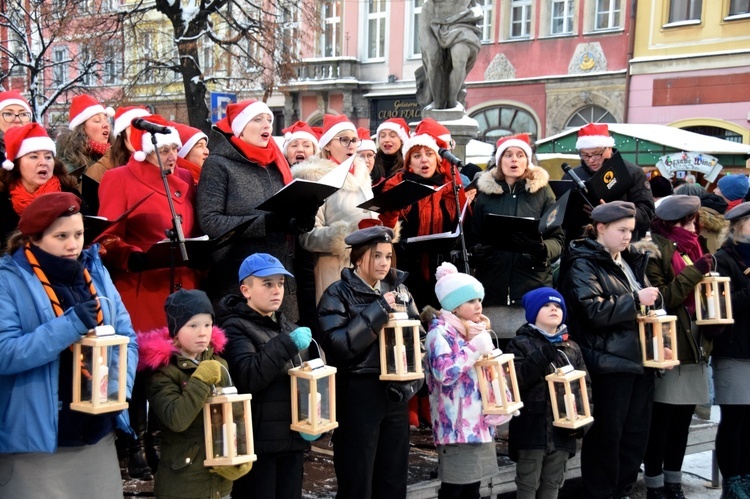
[540, 346]
[186, 366]
[458, 337]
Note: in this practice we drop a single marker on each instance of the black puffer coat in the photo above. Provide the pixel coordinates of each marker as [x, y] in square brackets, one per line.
[734, 342]
[260, 352]
[602, 309]
[533, 428]
[350, 317]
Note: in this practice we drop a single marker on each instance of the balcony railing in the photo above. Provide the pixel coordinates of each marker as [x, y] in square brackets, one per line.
[328, 68]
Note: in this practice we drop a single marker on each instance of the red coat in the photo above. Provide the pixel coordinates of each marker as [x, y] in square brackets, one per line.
[144, 293]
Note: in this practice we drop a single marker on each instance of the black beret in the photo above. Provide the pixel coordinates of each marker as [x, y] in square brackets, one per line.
[739, 211]
[376, 234]
[182, 305]
[660, 186]
[613, 211]
[677, 207]
[46, 209]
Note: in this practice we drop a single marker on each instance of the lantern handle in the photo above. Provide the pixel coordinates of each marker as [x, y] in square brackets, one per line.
[653, 307]
[111, 304]
[497, 340]
[321, 354]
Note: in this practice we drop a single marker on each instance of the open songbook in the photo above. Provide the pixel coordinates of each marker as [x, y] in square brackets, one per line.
[439, 243]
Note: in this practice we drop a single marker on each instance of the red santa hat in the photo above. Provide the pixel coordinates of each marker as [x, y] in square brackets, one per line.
[333, 125]
[239, 114]
[521, 140]
[398, 125]
[84, 107]
[367, 143]
[189, 136]
[13, 97]
[593, 136]
[439, 132]
[22, 140]
[424, 139]
[125, 115]
[141, 140]
[300, 130]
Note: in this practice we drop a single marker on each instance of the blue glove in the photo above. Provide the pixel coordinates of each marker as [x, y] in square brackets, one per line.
[301, 337]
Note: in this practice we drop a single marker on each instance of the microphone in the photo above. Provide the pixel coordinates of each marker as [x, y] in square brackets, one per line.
[149, 127]
[446, 154]
[567, 169]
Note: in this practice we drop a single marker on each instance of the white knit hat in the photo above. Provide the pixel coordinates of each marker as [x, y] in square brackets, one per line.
[453, 288]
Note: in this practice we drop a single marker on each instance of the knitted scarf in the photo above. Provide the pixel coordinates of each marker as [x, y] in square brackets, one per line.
[468, 329]
[21, 198]
[264, 156]
[98, 147]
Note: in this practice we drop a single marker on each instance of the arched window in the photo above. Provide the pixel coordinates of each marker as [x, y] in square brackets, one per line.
[590, 114]
[501, 121]
[715, 131]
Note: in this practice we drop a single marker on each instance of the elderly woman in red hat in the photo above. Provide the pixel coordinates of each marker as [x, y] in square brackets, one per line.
[300, 142]
[145, 285]
[53, 292]
[29, 171]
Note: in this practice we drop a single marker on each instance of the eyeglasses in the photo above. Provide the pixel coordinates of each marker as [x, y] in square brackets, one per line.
[346, 141]
[11, 117]
[592, 157]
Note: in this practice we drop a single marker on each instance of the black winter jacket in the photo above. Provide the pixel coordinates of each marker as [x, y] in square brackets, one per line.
[734, 342]
[602, 309]
[533, 428]
[350, 317]
[259, 353]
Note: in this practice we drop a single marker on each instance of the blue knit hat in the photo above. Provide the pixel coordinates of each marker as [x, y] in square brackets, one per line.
[533, 301]
[733, 187]
[454, 288]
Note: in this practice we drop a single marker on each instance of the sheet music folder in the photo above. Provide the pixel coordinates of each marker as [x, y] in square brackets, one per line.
[442, 242]
[611, 182]
[199, 249]
[399, 197]
[93, 226]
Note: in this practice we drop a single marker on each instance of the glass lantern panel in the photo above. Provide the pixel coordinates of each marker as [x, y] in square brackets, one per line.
[219, 431]
[570, 406]
[651, 342]
[238, 413]
[400, 358]
[708, 303]
[303, 400]
[495, 376]
[91, 359]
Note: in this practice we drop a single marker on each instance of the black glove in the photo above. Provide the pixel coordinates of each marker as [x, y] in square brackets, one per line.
[549, 352]
[86, 312]
[402, 391]
[276, 222]
[480, 253]
[705, 263]
[137, 261]
[534, 246]
[303, 223]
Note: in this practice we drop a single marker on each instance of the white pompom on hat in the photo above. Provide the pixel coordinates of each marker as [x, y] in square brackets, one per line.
[141, 140]
[22, 140]
[521, 140]
[454, 288]
[594, 136]
[84, 107]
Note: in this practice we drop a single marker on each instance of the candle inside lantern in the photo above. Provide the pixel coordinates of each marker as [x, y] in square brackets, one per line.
[570, 407]
[399, 358]
[103, 379]
[655, 346]
[226, 438]
[496, 388]
[310, 405]
[710, 305]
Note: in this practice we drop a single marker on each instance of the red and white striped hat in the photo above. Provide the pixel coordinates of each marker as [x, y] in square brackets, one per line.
[22, 140]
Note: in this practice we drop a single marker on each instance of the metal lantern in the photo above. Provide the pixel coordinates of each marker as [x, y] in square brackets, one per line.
[228, 428]
[567, 389]
[400, 353]
[658, 331]
[713, 301]
[91, 380]
[313, 398]
[498, 386]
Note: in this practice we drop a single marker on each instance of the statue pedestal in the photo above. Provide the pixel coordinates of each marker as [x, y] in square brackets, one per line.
[462, 128]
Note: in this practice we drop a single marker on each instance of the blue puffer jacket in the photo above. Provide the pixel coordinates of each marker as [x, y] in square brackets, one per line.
[31, 339]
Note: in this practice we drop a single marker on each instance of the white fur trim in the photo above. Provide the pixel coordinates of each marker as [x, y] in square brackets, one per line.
[241, 120]
[139, 156]
[367, 145]
[9, 102]
[392, 126]
[594, 142]
[187, 146]
[420, 140]
[36, 144]
[8, 165]
[513, 143]
[88, 113]
[327, 137]
[124, 120]
[289, 137]
[162, 139]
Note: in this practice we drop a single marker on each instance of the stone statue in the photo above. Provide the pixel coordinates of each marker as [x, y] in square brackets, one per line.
[450, 38]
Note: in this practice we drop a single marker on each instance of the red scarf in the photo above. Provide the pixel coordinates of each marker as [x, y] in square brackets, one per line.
[194, 169]
[21, 198]
[689, 245]
[264, 156]
[98, 148]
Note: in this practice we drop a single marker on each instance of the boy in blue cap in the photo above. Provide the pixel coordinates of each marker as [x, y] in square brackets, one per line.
[540, 346]
[262, 346]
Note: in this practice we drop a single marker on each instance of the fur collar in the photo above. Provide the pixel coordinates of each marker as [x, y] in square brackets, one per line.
[711, 220]
[155, 348]
[649, 247]
[314, 168]
[490, 181]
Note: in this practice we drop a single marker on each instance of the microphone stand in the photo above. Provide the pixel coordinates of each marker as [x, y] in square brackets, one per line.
[175, 234]
[462, 240]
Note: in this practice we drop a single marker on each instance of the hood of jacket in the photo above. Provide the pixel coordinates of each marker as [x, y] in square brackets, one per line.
[649, 246]
[490, 182]
[711, 220]
[156, 347]
[314, 168]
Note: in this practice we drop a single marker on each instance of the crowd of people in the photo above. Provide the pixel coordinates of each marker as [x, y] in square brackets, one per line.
[333, 273]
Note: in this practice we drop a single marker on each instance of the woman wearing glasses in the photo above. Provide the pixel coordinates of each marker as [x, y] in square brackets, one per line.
[14, 111]
[338, 216]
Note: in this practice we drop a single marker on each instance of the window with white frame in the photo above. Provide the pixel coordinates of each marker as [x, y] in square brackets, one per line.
[590, 114]
[520, 19]
[561, 17]
[60, 66]
[376, 17]
[739, 7]
[685, 10]
[486, 24]
[290, 27]
[608, 14]
[148, 53]
[330, 40]
[416, 11]
[112, 65]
